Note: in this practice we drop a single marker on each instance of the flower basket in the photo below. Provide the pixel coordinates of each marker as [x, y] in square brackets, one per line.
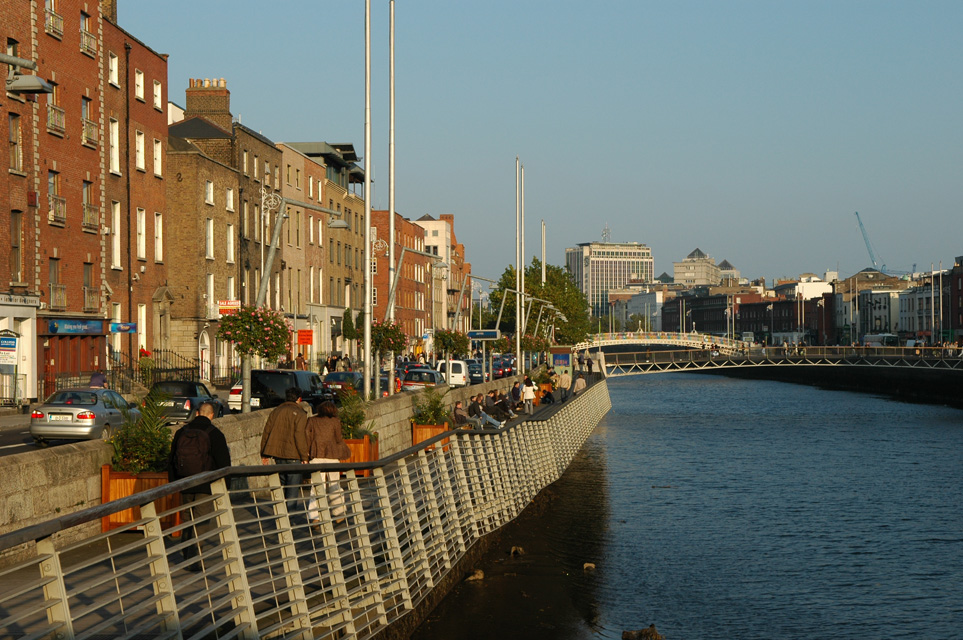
[115, 485]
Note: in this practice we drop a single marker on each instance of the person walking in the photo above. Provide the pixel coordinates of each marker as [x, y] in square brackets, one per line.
[516, 396]
[285, 442]
[197, 447]
[326, 445]
[565, 383]
[589, 363]
[528, 395]
[300, 363]
[581, 361]
[579, 385]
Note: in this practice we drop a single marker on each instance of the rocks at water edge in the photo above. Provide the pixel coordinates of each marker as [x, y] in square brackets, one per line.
[648, 633]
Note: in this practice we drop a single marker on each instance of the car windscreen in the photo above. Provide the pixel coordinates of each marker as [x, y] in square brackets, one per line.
[271, 385]
[78, 398]
[340, 376]
[174, 388]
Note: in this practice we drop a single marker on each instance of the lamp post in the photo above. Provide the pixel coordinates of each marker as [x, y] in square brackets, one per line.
[367, 201]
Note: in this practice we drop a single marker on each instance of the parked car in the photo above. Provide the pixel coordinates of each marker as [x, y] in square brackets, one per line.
[498, 369]
[337, 381]
[268, 387]
[475, 374]
[455, 372]
[179, 399]
[420, 378]
[82, 413]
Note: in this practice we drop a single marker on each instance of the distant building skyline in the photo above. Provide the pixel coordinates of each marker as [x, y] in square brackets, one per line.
[598, 267]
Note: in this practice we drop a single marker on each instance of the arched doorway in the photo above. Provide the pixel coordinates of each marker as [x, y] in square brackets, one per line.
[204, 355]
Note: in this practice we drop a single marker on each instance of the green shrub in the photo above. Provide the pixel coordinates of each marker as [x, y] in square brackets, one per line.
[430, 408]
[352, 415]
[145, 444]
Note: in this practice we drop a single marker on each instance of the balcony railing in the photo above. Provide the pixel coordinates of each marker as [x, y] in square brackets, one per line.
[56, 119]
[58, 297]
[54, 24]
[90, 133]
[88, 43]
[91, 216]
[58, 209]
[91, 299]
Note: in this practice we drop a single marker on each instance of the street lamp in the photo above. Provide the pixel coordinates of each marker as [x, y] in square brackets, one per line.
[20, 84]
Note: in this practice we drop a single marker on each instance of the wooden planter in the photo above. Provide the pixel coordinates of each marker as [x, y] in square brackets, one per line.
[544, 386]
[422, 432]
[362, 450]
[121, 484]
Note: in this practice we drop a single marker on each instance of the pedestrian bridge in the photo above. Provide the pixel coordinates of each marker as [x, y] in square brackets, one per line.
[409, 522]
[644, 362]
[663, 338]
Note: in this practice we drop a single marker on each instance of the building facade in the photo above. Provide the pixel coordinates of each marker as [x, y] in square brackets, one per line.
[598, 267]
[697, 269]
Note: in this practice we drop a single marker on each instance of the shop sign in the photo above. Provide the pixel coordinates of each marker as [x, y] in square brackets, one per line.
[305, 336]
[75, 327]
[123, 327]
[8, 350]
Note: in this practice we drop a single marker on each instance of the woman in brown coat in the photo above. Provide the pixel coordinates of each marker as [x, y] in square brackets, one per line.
[326, 445]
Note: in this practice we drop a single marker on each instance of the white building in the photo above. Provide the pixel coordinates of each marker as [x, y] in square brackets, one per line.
[599, 267]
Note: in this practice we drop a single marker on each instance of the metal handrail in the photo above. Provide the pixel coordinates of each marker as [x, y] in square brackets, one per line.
[382, 545]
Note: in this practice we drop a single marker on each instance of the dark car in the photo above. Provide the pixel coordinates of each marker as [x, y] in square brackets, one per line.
[268, 387]
[338, 381]
[179, 399]
[475, 374]
[498, 369]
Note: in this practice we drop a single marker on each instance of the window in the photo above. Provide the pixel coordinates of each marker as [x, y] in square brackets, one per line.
[310, 186]
[16, 242]
[209, 240]
[339, 253]
[209, 192]
[267, 172]
[331, 250]
[230, 288]
[139, 162]
[229, 199]
[16, 142]
[114, 146]
[287, 175]
[142, 326]
[158, 236]
[229, 244]
[113, 69]
[374, 266]
[158, 158]
[53, 22]
[244, 219]
[141, 234]
[257, 222]
[58, 205]
[88, 41]
[244, 161]
[115, 235]
[158, 97]
[297, 178]
[310, 229]
[139, 84]
[257, 178]
[374, 297]
[90, 212]
[56, 116]
[89, 132]
[277, 178]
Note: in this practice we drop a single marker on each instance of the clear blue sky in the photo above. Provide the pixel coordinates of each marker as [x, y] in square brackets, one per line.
[752, 130]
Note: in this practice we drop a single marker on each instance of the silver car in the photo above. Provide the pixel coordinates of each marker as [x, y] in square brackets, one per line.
[80, 414]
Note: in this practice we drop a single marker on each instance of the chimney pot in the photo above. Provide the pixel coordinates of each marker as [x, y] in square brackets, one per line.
[207, 82]
[223, 83]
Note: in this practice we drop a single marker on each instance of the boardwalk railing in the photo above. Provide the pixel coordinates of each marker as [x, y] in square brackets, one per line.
[381, 545]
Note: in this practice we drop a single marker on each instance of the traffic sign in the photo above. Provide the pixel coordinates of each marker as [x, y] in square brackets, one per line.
[486, 334]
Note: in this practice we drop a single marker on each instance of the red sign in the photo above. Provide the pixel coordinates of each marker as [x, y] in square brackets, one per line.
[305, 336]
[227, 307]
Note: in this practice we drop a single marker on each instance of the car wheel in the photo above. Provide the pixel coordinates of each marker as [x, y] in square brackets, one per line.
[41, 443]
[105, 432]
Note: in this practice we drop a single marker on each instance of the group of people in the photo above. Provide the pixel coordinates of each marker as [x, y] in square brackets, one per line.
[496, 408]
[295, 433]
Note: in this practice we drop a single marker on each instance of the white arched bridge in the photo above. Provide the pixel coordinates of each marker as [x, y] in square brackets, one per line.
[702, 352]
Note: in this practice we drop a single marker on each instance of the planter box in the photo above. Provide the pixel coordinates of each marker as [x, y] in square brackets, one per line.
[544, 386]
[362, 450]
[121, 484]
[422, 432]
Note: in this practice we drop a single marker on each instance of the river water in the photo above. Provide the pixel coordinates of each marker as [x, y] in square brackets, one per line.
[722, 508]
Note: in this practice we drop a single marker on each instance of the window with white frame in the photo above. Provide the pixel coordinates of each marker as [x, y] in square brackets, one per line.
[244, 219]
[158, 96]
[113, 69]
[257, 177]
[115, 235]
[229, 243]
[374, 297]
[310, 186]
[229, 199]
[311, 283]
[310, 229]
[139, 159]
[230, 288]
[158, 236]
[115, 317]
[139, 84]
[244, 161]
[209, 295]
[158, 158]
[141, 234]
[114, 146]
[209, 239]
[142, 326]
[209, 192]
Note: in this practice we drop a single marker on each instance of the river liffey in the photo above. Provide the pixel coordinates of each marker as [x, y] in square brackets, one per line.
[722, 508]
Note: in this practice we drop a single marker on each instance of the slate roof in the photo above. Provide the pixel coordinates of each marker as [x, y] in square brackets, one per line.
[199, 129]
[696, 255]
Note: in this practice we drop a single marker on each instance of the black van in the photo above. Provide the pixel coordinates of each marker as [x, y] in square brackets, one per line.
[268, 387]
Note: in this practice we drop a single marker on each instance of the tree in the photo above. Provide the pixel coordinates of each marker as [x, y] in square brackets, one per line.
[347, 327]
[448, 341]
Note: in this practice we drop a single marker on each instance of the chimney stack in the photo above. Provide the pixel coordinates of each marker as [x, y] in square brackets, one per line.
[209, 99]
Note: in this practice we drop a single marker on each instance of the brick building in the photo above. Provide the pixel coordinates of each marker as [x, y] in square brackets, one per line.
[135, 193]
[412, 290]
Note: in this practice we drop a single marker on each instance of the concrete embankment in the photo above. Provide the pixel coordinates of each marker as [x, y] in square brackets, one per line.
[930, 386]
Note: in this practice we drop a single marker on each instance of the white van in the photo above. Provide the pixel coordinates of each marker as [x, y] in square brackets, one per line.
[458, 376]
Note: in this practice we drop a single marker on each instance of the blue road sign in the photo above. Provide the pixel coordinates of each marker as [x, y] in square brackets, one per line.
[487, 334]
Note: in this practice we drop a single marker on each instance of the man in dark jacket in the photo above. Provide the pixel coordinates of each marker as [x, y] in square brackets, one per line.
[192, 453]
[285, 441]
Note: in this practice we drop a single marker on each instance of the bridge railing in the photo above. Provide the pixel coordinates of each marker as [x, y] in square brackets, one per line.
[381, 544]
[662, 337]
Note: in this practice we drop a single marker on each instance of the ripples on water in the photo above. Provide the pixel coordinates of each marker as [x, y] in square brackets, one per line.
[723, 508]
[747, 509]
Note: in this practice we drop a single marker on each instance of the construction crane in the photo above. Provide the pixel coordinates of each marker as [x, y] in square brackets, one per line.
[869, 244]
[872, 253]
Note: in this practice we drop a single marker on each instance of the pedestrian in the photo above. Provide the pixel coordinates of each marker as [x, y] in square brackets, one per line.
[326, 445]
[589, 362]
[516, 396]
[284, 441]
[98, 380]
[581, 361]
[197, 447]
[579, 385]
[565, 383]
[475, 411]
[528, 395]
[300, 362]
